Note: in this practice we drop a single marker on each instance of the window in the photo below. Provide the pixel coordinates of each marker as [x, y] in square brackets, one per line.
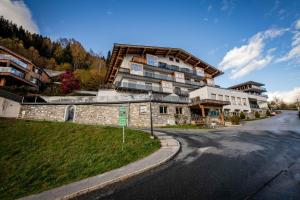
[233, 100]
[213, 96]
[226, 98]
[152, 60]
[163, 109]
[179, 110]
[239, 101]
[171, 59]
[244, 101]
[136, 69]
[220, 97]
[177, 60]
[143, 109]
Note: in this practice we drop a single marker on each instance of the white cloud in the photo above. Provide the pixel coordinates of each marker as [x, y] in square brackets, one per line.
[294, 53]
[297, 24]
[251, 56]
[286, 96]
[18, 13]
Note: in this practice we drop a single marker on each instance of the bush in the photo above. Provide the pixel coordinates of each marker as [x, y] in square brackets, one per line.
[268, 113]
[257, 115]
[242, 115]
[235, 120]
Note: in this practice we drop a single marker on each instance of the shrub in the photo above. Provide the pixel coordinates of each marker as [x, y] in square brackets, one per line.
[257, 115]
[268, 113]
[242, 115]
[235, 120]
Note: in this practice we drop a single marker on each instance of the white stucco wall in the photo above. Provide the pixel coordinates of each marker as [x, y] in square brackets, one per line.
[205, 93]
[9, 108]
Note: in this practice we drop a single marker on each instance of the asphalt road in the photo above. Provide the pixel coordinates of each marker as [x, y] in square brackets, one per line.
[259, 160]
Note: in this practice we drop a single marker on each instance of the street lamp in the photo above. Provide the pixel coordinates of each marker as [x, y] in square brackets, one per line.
[151, 122]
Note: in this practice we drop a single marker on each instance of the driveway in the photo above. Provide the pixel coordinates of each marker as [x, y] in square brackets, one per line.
[259, 160]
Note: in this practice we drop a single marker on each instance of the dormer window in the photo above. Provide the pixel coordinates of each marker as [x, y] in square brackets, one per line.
[177, 60]
[171, 58]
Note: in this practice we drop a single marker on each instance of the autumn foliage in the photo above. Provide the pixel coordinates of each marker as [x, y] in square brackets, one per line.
[69, 82]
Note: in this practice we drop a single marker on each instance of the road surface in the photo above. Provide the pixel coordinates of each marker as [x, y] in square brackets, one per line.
[259, 160]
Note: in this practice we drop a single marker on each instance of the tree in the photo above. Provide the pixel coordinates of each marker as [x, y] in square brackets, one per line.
[68, 82]
[78, 54]
[242, 115]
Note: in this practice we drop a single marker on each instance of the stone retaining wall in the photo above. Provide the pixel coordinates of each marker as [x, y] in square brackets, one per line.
[107, 114]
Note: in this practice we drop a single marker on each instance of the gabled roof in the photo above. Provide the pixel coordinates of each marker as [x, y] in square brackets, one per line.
[247, 83]
[15, 54]
[121, 50]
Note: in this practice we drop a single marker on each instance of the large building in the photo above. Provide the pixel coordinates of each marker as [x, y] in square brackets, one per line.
[173, 72]
[165, 86]
[158, 69]
[18, 71]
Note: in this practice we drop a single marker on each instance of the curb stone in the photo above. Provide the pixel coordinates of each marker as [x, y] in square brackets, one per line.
[72, 190]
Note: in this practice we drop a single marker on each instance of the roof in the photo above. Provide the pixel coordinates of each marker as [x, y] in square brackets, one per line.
[53, 73]
[121, 50]
[15, 54]
[246, 83]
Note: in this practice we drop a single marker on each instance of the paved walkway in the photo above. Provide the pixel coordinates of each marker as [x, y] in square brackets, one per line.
[169, 148]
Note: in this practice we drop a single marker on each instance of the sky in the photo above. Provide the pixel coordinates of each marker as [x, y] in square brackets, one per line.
[248, 40]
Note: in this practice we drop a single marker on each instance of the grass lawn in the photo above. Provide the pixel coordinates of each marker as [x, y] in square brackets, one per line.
[186, 126]
[39, 155]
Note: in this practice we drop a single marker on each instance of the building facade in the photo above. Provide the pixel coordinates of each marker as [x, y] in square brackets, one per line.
[17, 71]
[169, 84]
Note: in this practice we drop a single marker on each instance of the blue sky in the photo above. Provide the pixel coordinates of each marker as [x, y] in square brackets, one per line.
[249, 40]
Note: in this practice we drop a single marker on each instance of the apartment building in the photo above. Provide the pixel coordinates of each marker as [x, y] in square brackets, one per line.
[17, 70]
[240, 98]
[181, 85]
[161, 70]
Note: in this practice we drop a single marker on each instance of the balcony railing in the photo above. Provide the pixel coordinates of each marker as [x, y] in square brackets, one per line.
[14, 60]
[12, 71]
[162, 76]
[138, 86]
[181, 93]
[176, 68]
[158, 76]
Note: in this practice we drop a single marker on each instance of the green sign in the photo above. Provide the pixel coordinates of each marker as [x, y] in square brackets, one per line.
[122, 116]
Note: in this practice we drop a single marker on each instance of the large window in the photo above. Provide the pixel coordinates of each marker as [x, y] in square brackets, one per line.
[220, 97]
[213, 96]
[233, 100]
[136, 69]
[226, 98]
[244, 101]
[152, 60]
[239, 101]
[179, 110]
[163, 109]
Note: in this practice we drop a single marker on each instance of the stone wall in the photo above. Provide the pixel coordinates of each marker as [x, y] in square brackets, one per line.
[97, 114]
[107, 114]
[9, 108]
[43, 112]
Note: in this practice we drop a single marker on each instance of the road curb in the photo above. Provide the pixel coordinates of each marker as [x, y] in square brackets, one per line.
[167, 143]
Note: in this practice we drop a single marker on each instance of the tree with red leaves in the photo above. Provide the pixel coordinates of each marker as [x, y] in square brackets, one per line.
[68, 82]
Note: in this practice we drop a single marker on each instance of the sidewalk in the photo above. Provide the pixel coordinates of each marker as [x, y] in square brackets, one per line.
[169, 148]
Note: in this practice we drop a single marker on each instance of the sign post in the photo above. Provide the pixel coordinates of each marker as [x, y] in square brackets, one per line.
[122, 121]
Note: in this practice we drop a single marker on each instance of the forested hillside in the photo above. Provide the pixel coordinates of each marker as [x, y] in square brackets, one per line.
[63, 54]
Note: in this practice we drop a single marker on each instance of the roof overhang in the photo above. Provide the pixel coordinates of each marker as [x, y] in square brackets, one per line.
[210, 102]
[121, 50]
[247, 83]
